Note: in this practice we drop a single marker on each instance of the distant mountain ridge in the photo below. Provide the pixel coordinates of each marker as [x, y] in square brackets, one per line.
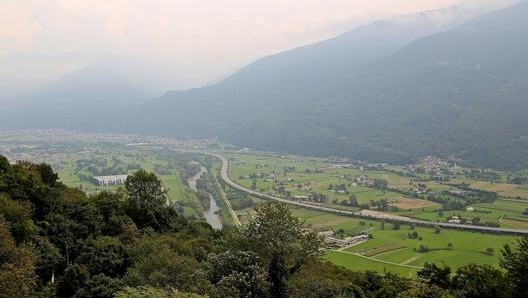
[391, 96]
[307, 72]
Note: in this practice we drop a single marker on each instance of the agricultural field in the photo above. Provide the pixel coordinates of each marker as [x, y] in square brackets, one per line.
[503, 189]
[398, 249]
[76, 166]
[398, 252]
[302, 176]
[298, 177]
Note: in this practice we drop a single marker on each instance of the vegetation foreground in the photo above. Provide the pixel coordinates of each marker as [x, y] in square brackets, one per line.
[57, 241]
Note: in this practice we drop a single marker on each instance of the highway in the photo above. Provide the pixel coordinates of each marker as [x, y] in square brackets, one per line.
[224, 175]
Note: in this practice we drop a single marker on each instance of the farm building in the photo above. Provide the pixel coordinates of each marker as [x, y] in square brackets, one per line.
[111, 180]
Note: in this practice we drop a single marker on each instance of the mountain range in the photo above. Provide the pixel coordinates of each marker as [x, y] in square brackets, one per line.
[390, 91]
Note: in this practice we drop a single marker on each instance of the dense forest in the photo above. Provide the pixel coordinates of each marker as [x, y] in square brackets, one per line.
[57, 241]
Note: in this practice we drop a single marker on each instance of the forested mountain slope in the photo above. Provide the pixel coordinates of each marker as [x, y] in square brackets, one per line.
[304, 73]
[459, 93]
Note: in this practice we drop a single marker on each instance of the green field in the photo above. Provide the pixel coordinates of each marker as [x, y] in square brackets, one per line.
[302, 176]
[393, 251]
[355, 262]
[309, 175]
[118, 159]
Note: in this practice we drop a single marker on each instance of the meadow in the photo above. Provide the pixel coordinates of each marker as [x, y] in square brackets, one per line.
[125, 161]
[394, 251]
[301, 176]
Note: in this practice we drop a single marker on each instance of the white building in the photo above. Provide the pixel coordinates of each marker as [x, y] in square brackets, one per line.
[111, 180]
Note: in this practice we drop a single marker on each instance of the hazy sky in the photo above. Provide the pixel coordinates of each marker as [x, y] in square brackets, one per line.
[198, 40]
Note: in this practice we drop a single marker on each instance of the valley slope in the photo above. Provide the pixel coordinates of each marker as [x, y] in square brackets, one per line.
[374, 93]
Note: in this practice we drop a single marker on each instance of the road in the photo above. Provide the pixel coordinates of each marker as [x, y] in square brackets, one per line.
[224, 174]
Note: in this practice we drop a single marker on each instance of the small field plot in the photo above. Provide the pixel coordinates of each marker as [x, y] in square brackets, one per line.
[503, 189]
[355, 262]
[406, 204]
[449, 247]
[322, 220]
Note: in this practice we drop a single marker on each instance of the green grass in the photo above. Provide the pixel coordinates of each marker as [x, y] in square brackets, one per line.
[394, 246]
[177, 190]
[359, 263]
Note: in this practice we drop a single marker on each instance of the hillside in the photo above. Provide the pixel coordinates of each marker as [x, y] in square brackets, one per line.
[375, 93]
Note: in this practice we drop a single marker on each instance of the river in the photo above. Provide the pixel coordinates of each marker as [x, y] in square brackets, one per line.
[211, 215]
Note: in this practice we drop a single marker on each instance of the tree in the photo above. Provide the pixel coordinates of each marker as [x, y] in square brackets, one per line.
[17, 278]
[106, 255]
[516, 264]
[425, 291]
[75, 278]
[146, 203]
[160, 261]
[99, 286]
[281, 242]
[434, 275]
[323, 279]
[151, 292]
[237, 274]
[145, 191]
[396, 226]
[353, 200]
[480, 281]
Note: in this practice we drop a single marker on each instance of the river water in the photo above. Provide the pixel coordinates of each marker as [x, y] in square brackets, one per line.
[210, 215]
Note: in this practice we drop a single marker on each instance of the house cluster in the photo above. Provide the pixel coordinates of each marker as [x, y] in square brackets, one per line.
[363, 181]
[459, 220]
[420, 188]
[455, 220]
[271, 178]
[458, 192]
[111, 180]
[431, 165]
[329, 239]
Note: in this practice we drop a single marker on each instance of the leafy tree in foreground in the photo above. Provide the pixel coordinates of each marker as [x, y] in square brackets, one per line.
[145, 190]
[434, 275]
[480, 281]
[159, 261]
[151, 292]
[516, 264]
[237, 274]
[17, 278]
[282, 243]
[146, 202]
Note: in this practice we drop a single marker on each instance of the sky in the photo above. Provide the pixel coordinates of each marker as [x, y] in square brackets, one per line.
[192, 41]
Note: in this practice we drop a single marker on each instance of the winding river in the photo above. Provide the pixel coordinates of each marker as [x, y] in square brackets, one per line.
[211, 215]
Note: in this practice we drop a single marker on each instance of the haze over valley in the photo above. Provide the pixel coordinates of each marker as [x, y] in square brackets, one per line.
[391, 90]
[264, 149]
